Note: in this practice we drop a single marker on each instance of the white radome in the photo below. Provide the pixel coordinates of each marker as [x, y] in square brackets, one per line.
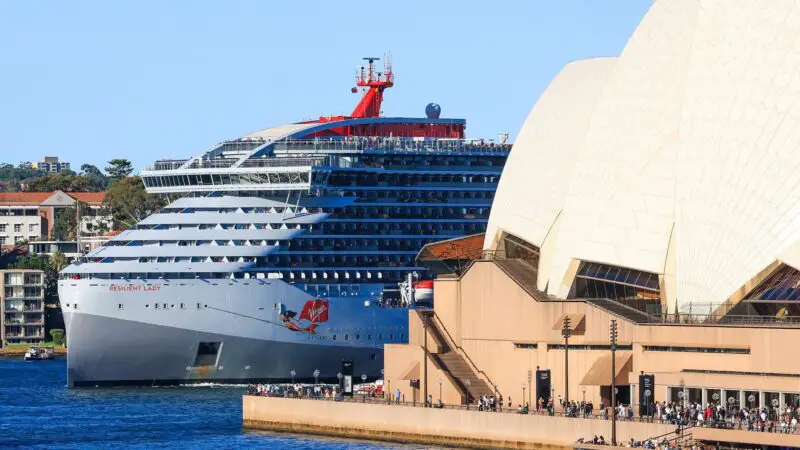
[679, 157]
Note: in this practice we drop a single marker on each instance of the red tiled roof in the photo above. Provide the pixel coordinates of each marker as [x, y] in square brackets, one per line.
[91, 198]
[467, 247]
[36, 198]
[23, 198]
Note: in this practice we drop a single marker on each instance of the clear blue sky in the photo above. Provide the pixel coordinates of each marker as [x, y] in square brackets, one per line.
[93, 80]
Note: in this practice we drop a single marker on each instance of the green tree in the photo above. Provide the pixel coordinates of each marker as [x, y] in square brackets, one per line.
[16, 174]
[63, 182]
[128, 202]
[65, 222]
[97, 177]
[58, 336]
[119, 168]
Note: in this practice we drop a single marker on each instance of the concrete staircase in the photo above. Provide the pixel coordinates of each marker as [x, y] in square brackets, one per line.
[455, 366]
[461, 371]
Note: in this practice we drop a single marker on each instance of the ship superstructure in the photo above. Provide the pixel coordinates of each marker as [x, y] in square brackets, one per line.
[283, 252]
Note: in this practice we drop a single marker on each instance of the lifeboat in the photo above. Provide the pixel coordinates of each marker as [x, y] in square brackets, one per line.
[423, 291]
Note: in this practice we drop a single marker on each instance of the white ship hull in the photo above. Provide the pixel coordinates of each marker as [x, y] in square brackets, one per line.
[117, 336]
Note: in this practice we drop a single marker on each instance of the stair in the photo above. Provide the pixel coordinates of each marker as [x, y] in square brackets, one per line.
[461, 371]
[524, 275]
[455, 366]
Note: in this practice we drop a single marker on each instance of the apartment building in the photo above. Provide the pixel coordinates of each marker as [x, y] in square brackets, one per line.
[51, 164]
[30, 216]
[21, 307]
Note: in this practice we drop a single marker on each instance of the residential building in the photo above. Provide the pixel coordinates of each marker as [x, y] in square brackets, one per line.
[22, 307]
[30, 216]
[50, 165]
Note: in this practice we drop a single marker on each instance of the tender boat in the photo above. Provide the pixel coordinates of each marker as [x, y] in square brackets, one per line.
[39, 354]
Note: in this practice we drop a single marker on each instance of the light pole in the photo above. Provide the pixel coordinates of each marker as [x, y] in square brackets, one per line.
[363, 380]
[384, 384]
[613, 339]
[530, 391]
[440, 390]
[523, 392]
[566, 332]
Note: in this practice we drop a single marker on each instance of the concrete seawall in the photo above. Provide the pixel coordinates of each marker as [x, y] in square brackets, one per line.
[446, 427]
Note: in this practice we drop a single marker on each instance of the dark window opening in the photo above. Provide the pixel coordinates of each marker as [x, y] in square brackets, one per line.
[207, 353]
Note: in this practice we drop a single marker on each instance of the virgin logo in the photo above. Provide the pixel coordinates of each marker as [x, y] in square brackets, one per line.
[315, 311]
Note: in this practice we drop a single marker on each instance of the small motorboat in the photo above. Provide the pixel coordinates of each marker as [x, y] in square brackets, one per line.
[39, 354]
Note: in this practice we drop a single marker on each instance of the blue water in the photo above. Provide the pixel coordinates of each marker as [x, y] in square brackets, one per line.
[38, 411]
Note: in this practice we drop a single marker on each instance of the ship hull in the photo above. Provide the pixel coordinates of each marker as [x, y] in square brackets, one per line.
[135, 345]
[139, 354]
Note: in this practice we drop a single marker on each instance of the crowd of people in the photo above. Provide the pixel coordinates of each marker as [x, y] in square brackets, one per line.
[764, 419]
[319, 391]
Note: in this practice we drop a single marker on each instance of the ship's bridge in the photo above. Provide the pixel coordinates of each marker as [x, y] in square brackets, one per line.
[300, 156]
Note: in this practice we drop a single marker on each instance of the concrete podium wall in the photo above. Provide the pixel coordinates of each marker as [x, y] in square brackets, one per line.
[432, 426]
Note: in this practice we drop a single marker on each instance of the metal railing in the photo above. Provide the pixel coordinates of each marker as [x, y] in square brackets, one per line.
[459, 351]
[167, 164]
[394, 145]
[684, 431]
[718, 315]
[227, 163]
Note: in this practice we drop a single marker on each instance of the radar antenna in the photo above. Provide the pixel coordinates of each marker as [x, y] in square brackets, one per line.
[374, 83]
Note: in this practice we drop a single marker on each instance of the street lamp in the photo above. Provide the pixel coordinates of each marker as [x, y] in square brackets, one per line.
[523, 392]
[440, 390]
[566, 331]
[363, 380]
[613, 340]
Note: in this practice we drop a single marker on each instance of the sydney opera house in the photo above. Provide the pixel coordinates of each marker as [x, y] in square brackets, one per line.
[659, 190]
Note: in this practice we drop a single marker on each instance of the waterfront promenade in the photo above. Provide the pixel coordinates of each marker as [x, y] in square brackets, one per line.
[367, 417]
[434, 426]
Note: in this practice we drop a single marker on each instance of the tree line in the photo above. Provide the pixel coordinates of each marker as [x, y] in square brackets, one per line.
[89, 179]
[126, 199]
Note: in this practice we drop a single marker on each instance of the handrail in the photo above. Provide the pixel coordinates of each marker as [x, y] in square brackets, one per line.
[644, 317]
[460, 350]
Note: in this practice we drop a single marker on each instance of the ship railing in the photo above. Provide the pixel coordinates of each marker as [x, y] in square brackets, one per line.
[166, 164]
[393, 144]
[226, 163]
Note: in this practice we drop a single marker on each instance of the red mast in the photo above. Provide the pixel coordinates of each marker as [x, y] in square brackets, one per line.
[375, 83]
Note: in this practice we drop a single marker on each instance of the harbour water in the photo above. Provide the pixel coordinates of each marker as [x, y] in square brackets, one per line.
[38, 411]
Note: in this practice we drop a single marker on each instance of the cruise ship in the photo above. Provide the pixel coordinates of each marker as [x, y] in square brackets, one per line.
[281, 253]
